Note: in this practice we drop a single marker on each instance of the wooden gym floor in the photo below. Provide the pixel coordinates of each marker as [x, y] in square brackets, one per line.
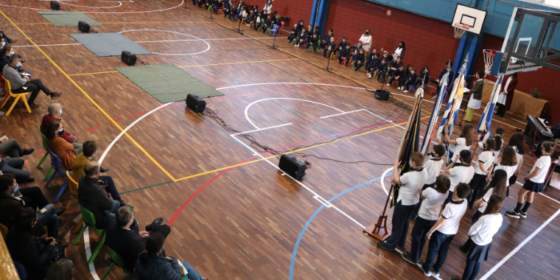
[234, 216]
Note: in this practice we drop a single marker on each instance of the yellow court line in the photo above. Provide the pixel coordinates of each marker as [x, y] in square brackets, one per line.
[294, 151]
[90, 99]
[190, 66]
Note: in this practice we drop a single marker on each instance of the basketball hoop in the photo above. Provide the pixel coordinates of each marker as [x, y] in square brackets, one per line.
[488, 61]
[460, 29]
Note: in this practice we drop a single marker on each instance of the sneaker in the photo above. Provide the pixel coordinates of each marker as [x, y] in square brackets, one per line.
[406, 91]
[512, 214]
[33, 105]
[247, 24]
[13, 41]
[369, 76]
[156, 222]
[406, 257]
[27, 152]
[436, 273]
[388, 85]
[429, 273]
[56, 95]
[2, 113]
[523, 214]
[434, 97]
[383, 246]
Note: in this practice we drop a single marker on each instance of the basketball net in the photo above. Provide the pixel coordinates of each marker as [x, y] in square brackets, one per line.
[460, 29]
[488, 61]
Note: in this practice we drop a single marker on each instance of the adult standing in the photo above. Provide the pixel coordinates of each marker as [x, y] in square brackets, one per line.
[366, 40]
[399, 51]
[506, 96]
[267, 10]
[476, 96]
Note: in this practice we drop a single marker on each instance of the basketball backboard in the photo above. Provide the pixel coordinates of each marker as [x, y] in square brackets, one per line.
[530, 42]
[468, 18]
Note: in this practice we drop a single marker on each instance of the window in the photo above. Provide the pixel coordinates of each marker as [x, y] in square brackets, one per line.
[547, 3]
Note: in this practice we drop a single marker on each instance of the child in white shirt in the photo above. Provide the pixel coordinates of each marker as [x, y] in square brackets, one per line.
[481, 170]
[433, 168]
[460, 171]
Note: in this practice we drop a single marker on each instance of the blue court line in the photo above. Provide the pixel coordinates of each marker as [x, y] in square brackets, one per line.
[296, 246]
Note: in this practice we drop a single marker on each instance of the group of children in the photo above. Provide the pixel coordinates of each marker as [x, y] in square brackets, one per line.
[437, 202]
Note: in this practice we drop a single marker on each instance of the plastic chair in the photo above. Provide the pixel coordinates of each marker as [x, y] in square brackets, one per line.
[281, 27]
[4, 230]
[274, 30]
[115, 260]
[210, 7]
[220, 11]
[45, 156]
[89, 220]
[74, 191]
[16, 96]
[55, 163]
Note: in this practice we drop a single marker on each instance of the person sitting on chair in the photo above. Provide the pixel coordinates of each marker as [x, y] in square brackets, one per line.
[6, 39]
[13, 202]
[14, 164]
[54, 114]
[78, 169]
[21, 85]
[5, 53]
[124, 237]
[11, 148]
[64, 150]
[93, 196]
[152, 266]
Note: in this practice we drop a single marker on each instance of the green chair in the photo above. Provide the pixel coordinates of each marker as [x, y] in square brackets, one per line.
[89, 220]
[210, 7]
[45, 156]
[116, 260]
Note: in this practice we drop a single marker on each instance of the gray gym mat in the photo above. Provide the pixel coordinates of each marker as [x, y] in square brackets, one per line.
[109, 44]
[167, 82]
[60, 18]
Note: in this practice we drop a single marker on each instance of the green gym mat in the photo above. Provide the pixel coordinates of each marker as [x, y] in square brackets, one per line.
[59, 18]
[167, 82]
[109, 44]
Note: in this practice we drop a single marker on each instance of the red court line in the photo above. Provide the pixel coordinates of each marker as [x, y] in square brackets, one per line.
[41, 152]
[133, 115]
[274, 90]
[253, 157]
[290, 88]
[89, 130]
[305, 87]
[120, 119]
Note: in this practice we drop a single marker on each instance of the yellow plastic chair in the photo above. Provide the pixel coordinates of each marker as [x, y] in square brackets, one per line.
[74, 191]
[16, 96]
[4, 230]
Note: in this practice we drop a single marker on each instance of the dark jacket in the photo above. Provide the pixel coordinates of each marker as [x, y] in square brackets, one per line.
[10, 209]
[424, 77]
[34, 254]
[94, 198]
[398, 73]
[397, 64]
[360, 57]
[327, 38]
[411, 79]
[331, 45]
[158, 267]
[382, 67]
[449, 78]
[127, 243]
[4, 60]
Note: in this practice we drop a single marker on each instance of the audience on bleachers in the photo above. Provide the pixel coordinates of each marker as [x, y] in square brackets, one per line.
[54, 114]
[93, 196]
[151, 265]
[125, 238]
[21, 84]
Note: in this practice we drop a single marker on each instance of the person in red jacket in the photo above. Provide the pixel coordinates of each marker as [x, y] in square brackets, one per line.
[55, 111]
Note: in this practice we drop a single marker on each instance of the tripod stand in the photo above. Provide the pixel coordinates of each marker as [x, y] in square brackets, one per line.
[239, 27]
[274, 40]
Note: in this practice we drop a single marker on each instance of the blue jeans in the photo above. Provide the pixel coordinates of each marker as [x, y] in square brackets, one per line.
[110, 187]
[439, 245]
[50, 219]
[14, 166]
[192, 274]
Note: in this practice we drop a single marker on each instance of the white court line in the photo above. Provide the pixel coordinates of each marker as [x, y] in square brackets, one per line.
[95, 7]
[281, 98]
[290, 123]
[170, 31]
[87, 246]
[135, 12]
[517, 182]
[290, 83]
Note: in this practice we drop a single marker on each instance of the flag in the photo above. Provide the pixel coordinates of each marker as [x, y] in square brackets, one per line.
[434, 116]
[486, 118]
[409, 142]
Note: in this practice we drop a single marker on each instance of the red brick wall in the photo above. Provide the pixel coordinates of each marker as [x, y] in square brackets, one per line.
[545, 80]
[428, 41]
[295, 9]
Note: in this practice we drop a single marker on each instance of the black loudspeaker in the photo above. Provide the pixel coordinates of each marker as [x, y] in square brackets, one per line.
[83, 26]
[382, 94]
[292, 166]
[195, 103]
[128, 57]
[55, 5]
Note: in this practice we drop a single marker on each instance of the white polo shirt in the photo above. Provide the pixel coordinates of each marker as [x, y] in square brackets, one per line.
[431, 204]
[543, 163]
[460, 174]
[412, 183]
[487, 158]
[452, 213]
[485, 228]
[433, 167]
[496, 152]
[461, 145]
[510, 170]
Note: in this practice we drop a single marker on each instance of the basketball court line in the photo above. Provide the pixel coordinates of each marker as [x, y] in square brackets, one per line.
[87, 96]
[85, 12]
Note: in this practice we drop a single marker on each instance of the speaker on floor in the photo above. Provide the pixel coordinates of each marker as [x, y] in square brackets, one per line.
[128, 57]
[195, 103]
[83, 26]
[292, 166]
[382, 94]
[55, 5]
